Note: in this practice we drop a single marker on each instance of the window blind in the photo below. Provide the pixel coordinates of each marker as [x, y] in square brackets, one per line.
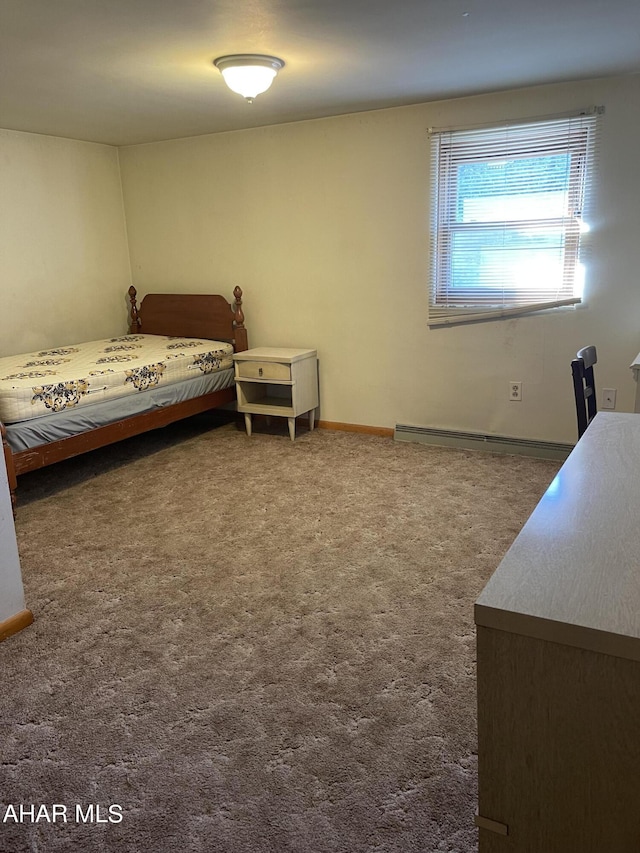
[508, 218]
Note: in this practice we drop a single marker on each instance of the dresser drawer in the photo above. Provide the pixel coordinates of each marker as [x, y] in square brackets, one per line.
[263, 370]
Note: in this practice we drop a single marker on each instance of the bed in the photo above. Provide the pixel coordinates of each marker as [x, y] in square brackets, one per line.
[175, 361]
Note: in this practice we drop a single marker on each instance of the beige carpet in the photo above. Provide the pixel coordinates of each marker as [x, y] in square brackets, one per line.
[252, 645]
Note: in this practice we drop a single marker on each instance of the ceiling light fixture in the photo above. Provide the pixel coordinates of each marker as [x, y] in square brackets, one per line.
[248, 74]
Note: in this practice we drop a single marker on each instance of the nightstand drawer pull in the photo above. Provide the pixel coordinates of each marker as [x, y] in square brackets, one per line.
[263, 370]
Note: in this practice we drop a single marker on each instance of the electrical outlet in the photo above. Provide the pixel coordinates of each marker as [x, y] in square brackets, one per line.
[608, 398]
[515, 390]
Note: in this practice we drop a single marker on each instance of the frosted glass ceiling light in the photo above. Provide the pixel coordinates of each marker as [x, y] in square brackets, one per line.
[248, 74]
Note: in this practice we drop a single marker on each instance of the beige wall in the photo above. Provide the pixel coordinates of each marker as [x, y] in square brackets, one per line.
[325, 226]
[64, 267]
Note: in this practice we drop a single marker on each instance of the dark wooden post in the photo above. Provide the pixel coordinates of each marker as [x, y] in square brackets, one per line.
[136, 322]
[241, 343]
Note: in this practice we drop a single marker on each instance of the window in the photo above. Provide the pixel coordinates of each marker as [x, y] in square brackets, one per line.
[507, 217]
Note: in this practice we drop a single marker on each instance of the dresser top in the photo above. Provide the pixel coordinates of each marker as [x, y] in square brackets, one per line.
[282, 354]
[573, 574]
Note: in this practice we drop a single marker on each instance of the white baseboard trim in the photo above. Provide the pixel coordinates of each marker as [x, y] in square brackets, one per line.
[480, 441]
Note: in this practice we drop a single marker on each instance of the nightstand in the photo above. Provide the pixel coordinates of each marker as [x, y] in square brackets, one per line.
[277, 381]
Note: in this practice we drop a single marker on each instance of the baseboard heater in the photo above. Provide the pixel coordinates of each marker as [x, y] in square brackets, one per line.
[480, 441]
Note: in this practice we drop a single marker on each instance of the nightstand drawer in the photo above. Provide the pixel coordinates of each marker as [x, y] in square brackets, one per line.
[263, 370]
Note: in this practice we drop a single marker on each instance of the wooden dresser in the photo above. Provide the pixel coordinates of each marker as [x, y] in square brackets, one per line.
[635, 367]
[558, 633]
[14, 616]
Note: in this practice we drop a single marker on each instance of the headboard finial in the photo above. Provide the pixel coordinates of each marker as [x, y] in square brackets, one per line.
[237, 292]
[136, 322]
[240, 333]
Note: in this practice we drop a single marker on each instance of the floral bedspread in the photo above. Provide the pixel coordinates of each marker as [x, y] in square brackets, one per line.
[54, 380]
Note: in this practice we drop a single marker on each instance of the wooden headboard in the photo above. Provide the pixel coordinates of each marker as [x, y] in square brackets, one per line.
[190, 316]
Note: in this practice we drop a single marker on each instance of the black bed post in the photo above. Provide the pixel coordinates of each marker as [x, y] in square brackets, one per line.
[240, 333]
[136, 322]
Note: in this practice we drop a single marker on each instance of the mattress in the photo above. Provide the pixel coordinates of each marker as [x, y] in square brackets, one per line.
[37, 384]
[25, 435]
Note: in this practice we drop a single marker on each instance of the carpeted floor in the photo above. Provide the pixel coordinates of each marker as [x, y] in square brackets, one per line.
[252, 645]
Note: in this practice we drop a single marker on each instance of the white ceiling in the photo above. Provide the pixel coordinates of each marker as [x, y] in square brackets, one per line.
[129, 71]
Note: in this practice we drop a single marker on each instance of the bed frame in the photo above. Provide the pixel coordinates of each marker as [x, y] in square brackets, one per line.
[180, 315]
